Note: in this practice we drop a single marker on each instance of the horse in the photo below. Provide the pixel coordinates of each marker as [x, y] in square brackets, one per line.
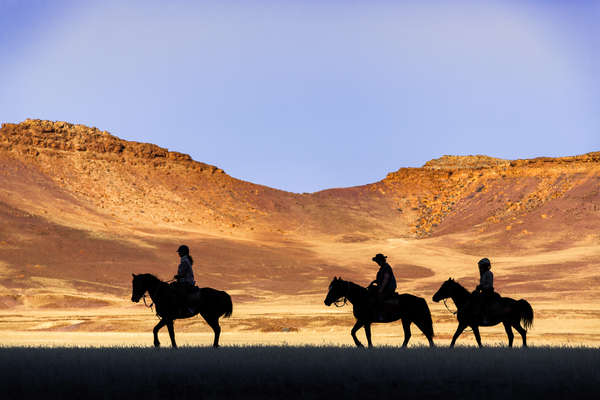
[406, 307]
[211, 304]
[509, 311]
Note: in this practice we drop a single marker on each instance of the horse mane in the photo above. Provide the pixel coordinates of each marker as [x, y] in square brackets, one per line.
[461, 287]
[149, 277]
[352, 284]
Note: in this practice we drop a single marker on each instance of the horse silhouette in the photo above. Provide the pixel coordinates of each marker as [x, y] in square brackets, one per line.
[508, 311]
[211, 304]
[406, 307]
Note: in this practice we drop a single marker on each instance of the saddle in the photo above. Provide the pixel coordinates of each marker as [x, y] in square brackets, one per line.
[485, 305]
[393, 299]
[380, 309]
[187, 296]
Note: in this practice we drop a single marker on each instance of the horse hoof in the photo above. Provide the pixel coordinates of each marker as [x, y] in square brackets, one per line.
[156, 344]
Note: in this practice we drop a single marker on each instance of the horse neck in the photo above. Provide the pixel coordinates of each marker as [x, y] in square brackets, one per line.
[459, 295]
[355, 292]
[152, 283]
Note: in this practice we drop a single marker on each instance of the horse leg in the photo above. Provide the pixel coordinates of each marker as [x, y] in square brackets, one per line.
[160, 324]
[356, 327]
[368, 334]
[477, 336]
[522, 331]
[509, 333]
[427, 332]
[407, 334]
[214, 324]
[171, 333]
[461, 327]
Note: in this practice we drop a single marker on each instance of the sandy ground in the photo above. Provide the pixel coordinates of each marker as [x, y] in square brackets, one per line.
[278, 288]
[280, 324]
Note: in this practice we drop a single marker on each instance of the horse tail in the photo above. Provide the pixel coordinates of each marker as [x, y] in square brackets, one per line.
[423, 318]
[525, 313]
[227, 305]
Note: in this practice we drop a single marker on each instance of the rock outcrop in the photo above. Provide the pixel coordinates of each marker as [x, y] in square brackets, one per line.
[143, 184]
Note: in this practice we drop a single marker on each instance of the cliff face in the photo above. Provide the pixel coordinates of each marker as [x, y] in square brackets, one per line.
[81, 209]
[551, 196]
[144, 185]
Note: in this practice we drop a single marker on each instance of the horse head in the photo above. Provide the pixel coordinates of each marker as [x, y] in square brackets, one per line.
[138, 288]
[444, 291]
[337, 288]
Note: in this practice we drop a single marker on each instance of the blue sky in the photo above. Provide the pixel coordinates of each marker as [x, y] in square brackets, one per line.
[309, 95]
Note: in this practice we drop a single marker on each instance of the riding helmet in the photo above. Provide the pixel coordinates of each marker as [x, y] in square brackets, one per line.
[183, 249]
[379, 257]
[484, 262]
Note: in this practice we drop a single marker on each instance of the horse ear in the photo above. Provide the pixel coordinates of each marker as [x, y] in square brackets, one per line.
[132, 274]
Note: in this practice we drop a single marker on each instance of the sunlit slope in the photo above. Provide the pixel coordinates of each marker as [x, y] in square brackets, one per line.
[80, 209]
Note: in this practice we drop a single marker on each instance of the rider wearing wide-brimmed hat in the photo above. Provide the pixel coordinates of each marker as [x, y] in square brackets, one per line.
[385, 280]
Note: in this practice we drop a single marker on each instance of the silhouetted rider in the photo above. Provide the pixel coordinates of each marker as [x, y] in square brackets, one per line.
[486, 278]
[185, 274]
[385, 283]
[485, 289]
[184, 280]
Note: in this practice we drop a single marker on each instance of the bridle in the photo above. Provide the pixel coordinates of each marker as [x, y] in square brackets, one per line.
[448, 308]
[343, 303]
[146, 304]
[453, 312]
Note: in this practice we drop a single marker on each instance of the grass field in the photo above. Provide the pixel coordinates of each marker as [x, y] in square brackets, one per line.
[298, 373]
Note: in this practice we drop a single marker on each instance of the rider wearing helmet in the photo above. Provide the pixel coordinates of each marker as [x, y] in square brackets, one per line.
[486, 278]
[185, 274]
[485, 290]
[184, 284]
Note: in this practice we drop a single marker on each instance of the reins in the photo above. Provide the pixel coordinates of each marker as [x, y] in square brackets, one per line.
[151, 305]
[146, 304]
[454, 313]
[448, 308]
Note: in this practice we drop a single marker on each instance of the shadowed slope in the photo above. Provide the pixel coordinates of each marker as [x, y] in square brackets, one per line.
[81, 209]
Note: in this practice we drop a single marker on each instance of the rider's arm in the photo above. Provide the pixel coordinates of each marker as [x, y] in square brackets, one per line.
[486, 280]
[386, 279]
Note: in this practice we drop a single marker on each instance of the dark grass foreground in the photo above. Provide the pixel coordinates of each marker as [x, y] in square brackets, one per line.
[299, 373]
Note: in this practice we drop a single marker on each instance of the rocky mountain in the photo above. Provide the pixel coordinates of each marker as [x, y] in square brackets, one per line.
[80, 209]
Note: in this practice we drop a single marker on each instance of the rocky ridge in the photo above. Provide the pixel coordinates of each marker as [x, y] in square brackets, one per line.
[141, 183]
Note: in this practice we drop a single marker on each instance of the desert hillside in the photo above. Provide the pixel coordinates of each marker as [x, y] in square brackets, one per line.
[81, 209]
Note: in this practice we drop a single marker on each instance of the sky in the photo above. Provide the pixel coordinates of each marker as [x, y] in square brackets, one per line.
[308, 95]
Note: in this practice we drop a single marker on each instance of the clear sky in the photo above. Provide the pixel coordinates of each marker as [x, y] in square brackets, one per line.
[308, 95]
